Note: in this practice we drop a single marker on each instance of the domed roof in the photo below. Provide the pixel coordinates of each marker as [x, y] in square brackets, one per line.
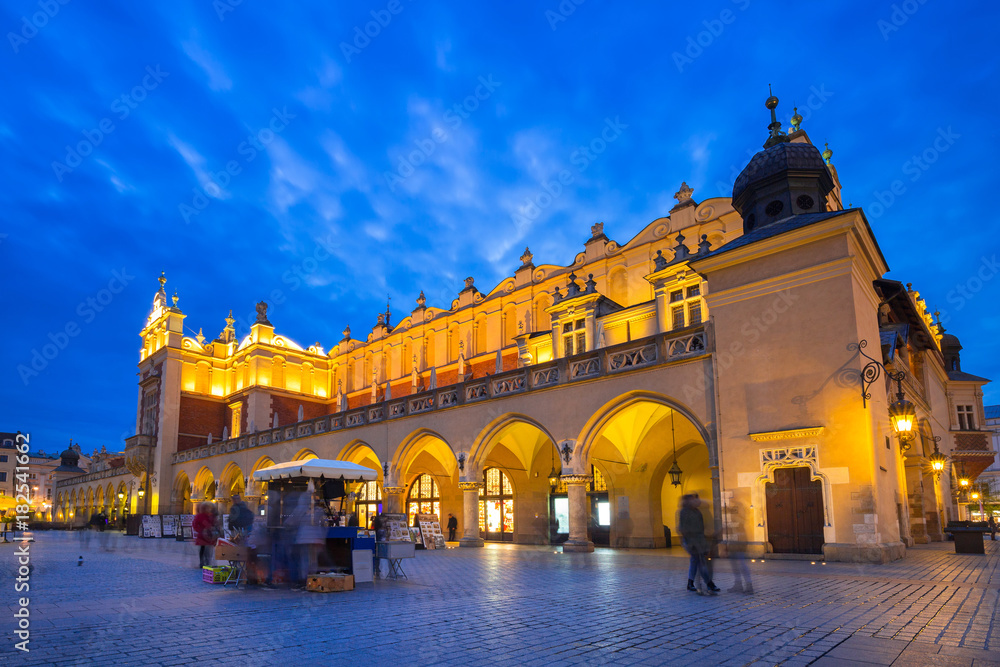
[776, 159]
[948, 340]
[70, 454]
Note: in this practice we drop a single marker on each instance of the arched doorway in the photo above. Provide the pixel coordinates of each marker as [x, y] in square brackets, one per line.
[795, 512]
[423, 498]
[369, 503]
[496, 506]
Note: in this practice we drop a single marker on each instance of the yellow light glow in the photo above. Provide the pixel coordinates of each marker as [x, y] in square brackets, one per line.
[320, 391]
[975, 496]
[963, 482]
[937, 466]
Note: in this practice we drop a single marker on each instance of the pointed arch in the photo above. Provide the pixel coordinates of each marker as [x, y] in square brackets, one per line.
[204, 484]
[512, 426]
[420, 441]
[360, 452]
[305, 455]
[591, 431]
[231, 481]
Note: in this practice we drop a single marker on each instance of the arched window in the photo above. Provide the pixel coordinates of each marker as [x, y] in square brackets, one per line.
[496, 506]
[423, 498]
[202, 377]
[481, 331]
[618, 286]
[278, 373]
[453, 340]
[369, 503]
[543, 321]
[509, 326]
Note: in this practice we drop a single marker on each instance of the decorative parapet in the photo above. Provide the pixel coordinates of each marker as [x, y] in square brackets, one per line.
[790, 434]
[660, 349]
[92, 477]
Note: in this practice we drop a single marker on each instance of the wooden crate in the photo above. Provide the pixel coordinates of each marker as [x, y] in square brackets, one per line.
[330, 583]
[231, 552]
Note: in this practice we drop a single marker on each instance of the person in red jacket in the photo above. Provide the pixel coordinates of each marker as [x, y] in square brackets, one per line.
[205, 534]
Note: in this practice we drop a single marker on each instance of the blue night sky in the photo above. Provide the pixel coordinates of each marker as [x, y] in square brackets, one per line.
[119, 121]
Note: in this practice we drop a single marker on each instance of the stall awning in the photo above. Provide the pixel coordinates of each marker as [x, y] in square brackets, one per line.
[316, 469]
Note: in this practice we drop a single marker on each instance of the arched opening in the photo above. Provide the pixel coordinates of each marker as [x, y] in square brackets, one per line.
[496, 506]
[598, 502]
[632, 442]
[180, 497]
[423, 498]
[204, 484]
[525, 453]
[305, 455]
[231, 482]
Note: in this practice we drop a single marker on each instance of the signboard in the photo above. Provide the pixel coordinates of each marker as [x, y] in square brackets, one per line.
[151, 526]
[170, 522]
[396, 529]
[430, 530]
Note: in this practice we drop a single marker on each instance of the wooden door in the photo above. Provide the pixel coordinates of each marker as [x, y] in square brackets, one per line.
[795, 512]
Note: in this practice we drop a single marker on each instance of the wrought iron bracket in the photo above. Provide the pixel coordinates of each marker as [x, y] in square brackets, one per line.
[871, 372]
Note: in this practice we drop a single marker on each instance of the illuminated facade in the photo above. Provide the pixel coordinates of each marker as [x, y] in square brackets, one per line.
[721, 340]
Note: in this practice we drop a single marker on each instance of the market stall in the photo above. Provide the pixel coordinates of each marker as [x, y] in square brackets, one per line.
[304, 510]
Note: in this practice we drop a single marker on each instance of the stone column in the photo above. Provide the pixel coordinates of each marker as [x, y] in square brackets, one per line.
[576, 490]
[393, 496]
[470, 515]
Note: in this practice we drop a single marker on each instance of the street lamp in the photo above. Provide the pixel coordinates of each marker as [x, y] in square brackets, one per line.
[902, 414]
[937, 459]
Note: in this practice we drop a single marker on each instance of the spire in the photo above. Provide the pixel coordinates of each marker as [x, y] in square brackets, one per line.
[776, 135]
[827, 153]
[163, 280]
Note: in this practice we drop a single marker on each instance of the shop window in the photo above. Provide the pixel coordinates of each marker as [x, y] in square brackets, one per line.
[965, 420]
[423, 498]
[496, 506]
[369, 503]
[574, 337]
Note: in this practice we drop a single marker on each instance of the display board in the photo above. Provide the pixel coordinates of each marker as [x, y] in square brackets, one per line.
[170, 522]
[430, 530]
[151, 525]
[396, 529]
[185, 531]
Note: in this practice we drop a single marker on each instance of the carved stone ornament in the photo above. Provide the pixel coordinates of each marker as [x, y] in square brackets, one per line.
[684, 193]
[596, 230]
[526, 257]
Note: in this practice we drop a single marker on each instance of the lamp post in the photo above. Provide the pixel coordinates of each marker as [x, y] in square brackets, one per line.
[902, 414]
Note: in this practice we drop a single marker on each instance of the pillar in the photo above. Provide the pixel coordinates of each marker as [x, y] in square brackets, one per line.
[579, 513]
[393, 499]
[470, 515]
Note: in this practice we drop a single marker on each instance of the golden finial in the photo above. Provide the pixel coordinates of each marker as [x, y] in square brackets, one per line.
[230, 319]
[175, 298]
[796, 119]
[162, 279]
[827, 154]
[771, 102]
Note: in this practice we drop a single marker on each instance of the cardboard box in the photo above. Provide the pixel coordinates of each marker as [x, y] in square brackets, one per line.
[330, 583]
[231, 552]
[215, 575]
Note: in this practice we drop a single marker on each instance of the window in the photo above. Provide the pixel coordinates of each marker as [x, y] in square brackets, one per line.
[686, 309]
[369, 503]
[694, 313]
[3, 476]
[965, 420]
[574, 338]
[678, 317]
[3, 458]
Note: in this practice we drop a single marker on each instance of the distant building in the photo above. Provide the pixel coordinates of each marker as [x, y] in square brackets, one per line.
[991, 475]
[8, 461]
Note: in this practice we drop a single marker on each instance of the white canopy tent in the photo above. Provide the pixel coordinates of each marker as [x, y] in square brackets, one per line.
[324, 469]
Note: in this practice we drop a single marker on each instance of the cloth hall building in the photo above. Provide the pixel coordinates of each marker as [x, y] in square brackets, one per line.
[738, 348]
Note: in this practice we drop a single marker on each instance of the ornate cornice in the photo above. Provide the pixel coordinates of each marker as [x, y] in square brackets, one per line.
[394, 489]
[790, 434]
[470, 486]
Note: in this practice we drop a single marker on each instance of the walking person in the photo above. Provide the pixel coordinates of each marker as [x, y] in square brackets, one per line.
[992, 525]
[452, 527]
[691, 524]
[205, 533]
[240, 519]
[737, 548]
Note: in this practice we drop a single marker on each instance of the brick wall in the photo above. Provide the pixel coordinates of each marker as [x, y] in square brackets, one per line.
[287, 409]
[198, 418]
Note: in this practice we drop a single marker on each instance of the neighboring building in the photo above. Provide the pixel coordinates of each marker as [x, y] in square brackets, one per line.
[41, 478]
[8, 456]
[991, 476]
[723, 350]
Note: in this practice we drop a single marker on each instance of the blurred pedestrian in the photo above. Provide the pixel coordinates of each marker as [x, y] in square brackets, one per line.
[240, 519]
[691, 524]
[452, 527]
[310, 526]
[736, 546]
[992, 525]
[205, 533]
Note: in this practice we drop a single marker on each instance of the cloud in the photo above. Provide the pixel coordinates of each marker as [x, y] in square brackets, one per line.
[196, 162]
[217, 77]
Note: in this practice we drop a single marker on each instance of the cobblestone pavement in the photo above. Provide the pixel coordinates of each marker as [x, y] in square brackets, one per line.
[142, 602]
